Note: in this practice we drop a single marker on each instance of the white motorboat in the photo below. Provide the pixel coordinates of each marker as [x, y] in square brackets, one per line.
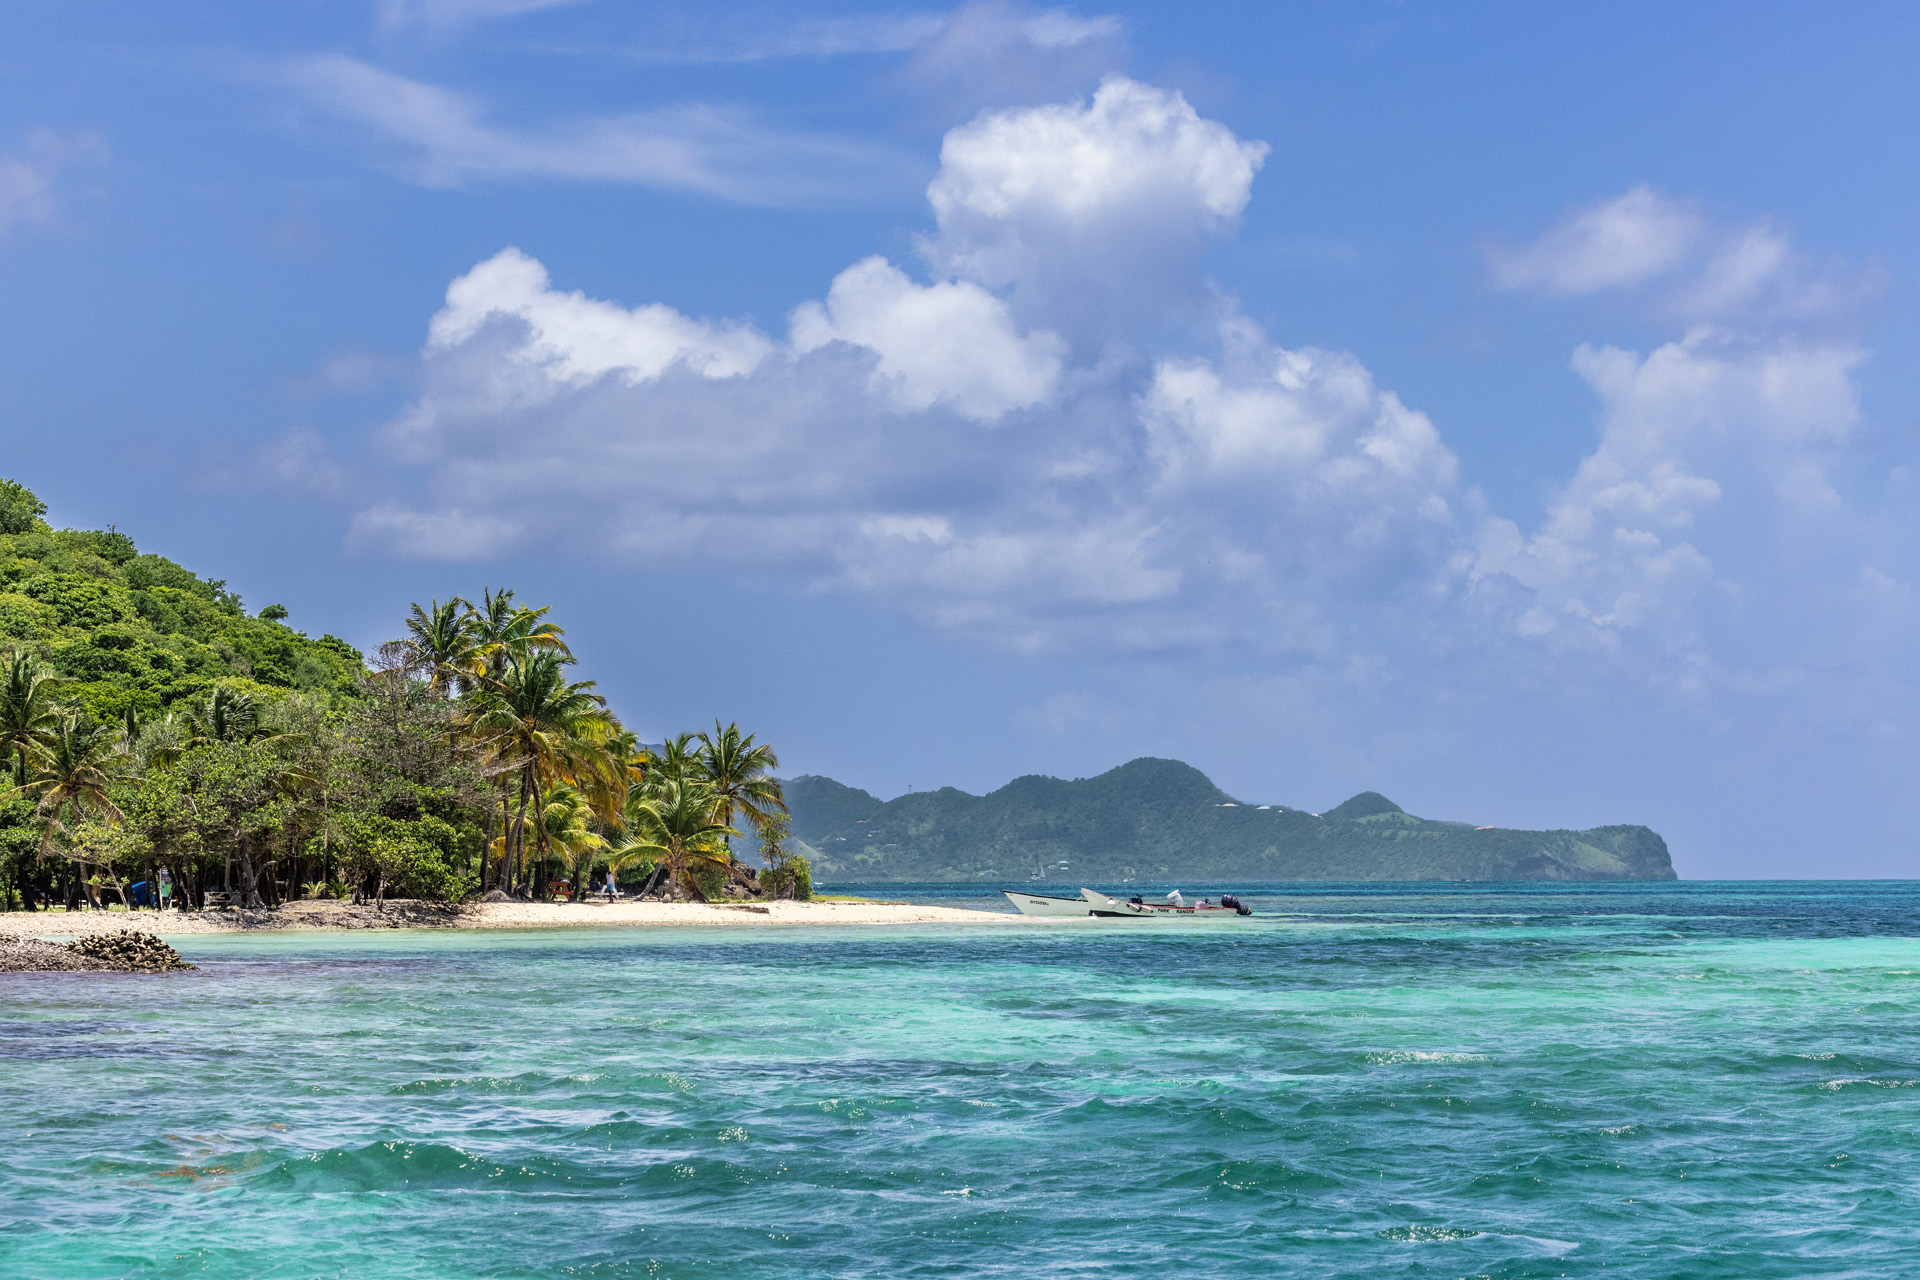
[1174, 907]
[1092, 902]
[1040, 904]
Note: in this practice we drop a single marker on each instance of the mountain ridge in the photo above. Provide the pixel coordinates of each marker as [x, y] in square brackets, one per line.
[1154, 819]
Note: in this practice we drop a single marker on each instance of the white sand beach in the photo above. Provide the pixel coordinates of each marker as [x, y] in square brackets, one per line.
[492, 915]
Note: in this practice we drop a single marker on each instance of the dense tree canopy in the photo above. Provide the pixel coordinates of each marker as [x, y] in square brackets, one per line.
[153, 734]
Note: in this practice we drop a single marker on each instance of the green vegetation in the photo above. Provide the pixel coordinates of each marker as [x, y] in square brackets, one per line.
[137, 634]
[1161, 819]
[155, 734]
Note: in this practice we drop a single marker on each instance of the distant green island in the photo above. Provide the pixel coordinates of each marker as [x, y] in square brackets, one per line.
[1161, 819]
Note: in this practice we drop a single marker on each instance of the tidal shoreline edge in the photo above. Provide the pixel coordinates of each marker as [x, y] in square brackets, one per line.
[492, 916]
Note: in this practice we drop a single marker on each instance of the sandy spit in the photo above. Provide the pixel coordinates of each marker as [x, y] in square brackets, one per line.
[491, 915]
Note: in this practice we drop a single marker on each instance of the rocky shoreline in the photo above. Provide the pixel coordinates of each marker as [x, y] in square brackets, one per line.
[126, 951]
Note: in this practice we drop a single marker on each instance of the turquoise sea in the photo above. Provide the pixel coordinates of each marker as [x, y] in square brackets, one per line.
[1684, 1080]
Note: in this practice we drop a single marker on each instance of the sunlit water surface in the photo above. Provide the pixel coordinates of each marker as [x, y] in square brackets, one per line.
[1677, 1080]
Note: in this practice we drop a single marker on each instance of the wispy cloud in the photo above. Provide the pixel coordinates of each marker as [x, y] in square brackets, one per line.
[442, 137]
[1621, 242]
[28, 178]
[1692, 268]
[995, 54]
[803, 38]
[963, 34]
[443, 14]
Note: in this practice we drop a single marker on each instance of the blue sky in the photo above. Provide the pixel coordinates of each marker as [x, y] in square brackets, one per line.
[1507, 407]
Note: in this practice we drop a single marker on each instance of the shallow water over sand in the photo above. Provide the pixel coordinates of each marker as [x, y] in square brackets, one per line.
[1698, 1080]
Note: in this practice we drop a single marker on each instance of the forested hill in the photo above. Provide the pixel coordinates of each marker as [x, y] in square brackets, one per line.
[138, 631]
[1161, 820]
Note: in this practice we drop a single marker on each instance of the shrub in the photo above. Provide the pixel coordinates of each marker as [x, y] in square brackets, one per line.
[414, 857]
[712, 881]
[791, 877]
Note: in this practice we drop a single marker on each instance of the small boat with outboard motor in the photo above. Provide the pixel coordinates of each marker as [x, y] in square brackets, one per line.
[1092, 902]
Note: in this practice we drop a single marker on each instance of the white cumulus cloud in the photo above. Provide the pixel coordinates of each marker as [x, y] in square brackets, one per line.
[571, 338]
[951, 343]
[976, 443]
[1089, 214]
[1680, 426]
[1133, 152]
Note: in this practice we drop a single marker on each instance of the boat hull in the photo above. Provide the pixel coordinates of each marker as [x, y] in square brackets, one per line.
[1040, 904]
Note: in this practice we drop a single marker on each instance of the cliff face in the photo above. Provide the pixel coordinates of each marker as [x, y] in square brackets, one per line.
[1161, 819]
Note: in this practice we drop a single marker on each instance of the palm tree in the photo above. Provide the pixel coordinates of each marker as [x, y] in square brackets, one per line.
[27, 710]
[677, 760]
[503, 632]
[440, 640]
[537, 724]
[228, 715]
[674, 820]
[741, 775]
[564, 826]
[608, 780]
[623, 855]
[71, 770]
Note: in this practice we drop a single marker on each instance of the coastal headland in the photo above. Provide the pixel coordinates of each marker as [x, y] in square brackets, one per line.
[491, 915]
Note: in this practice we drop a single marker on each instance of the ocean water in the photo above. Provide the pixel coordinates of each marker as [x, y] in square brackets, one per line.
[1692, 1080]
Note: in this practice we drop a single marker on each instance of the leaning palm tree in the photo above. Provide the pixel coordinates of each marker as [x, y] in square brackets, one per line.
[674, 821]
[70, 773]
[538, 725]
[741, 775]
[627, 853]
[440, 641]
[27, 709]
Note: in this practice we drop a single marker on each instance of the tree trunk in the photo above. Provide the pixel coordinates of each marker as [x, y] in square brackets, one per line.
[506, 828]
[540, 832]
[249, 883]
[86, 883]
[517, 847]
